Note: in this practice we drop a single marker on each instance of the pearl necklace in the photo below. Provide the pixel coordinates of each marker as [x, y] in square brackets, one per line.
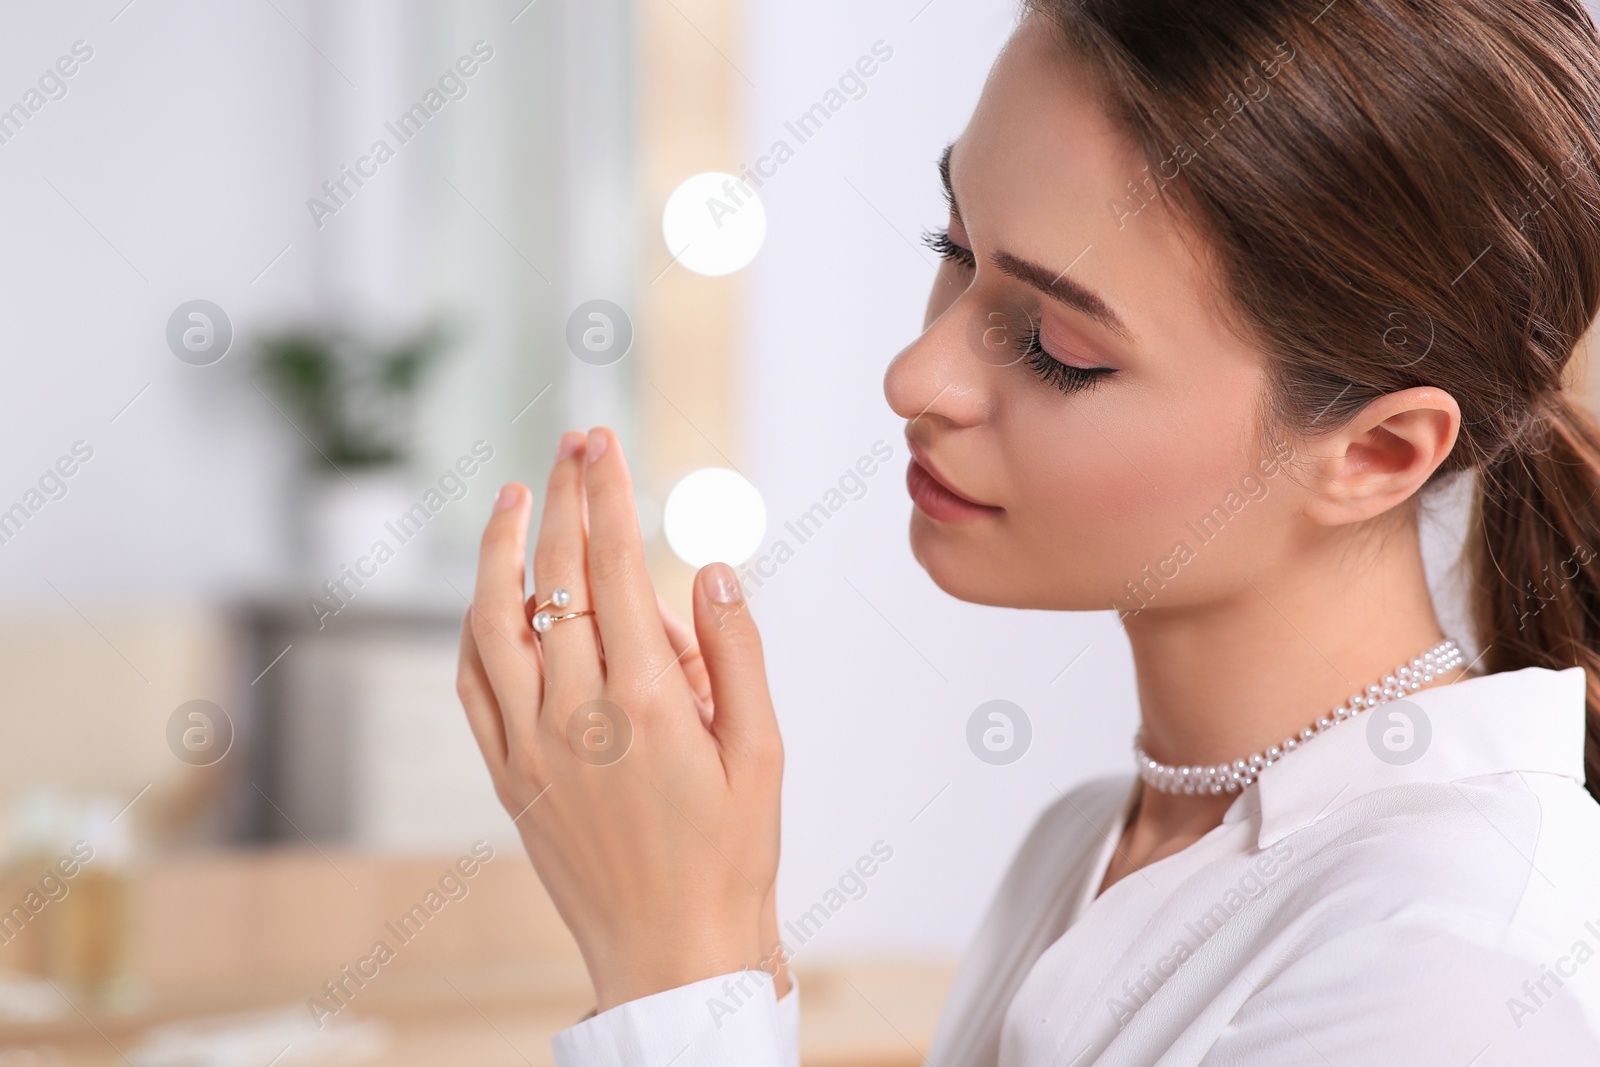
[1230, 778]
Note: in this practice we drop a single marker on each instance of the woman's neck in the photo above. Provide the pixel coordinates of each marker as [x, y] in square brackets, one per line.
[1221, 680]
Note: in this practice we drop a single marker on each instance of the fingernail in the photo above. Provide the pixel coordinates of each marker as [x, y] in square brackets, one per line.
[722, 584]
[569, 445]
[509, 493]
[597, 444]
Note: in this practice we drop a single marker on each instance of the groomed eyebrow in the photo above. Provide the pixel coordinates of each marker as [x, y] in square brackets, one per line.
[1054, 284]
[1057, 286]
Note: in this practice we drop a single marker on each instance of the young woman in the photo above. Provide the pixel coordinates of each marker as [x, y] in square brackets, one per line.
[1334, 254]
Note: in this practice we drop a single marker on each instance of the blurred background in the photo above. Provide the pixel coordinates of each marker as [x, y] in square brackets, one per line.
[290, 289]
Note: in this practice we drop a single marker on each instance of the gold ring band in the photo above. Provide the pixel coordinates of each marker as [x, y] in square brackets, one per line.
[558, 597]
[543, 620]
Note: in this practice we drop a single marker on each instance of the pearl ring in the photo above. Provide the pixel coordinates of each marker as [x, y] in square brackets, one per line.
[559, 598]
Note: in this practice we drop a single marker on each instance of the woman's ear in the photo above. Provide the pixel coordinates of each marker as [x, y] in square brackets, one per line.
[1381, 456]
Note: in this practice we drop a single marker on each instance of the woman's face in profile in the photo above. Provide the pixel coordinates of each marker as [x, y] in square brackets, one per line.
[1100, 425]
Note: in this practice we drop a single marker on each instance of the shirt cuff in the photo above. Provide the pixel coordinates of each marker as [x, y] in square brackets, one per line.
[731, 1020]
[789, 1022]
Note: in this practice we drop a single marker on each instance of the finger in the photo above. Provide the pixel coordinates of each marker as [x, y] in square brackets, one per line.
[681, 637]
[571, 649]
[477, 699]
[744, 723]
[624, 599]
[505, 643]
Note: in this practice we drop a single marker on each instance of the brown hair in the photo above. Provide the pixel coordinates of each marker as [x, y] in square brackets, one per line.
[1399, 193]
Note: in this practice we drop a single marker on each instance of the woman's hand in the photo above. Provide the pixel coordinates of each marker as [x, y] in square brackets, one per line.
[646, 793]
[774, 959]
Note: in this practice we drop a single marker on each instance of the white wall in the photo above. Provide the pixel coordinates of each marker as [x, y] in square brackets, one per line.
[178, 166]
[181, 159]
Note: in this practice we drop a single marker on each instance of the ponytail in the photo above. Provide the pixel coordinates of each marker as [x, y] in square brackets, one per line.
[1534, 553]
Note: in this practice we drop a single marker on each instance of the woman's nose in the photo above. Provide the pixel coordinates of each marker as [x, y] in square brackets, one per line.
[949, 371]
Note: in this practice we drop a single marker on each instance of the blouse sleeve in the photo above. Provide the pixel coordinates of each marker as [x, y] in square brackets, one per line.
[732, 1020]
[789, 1022]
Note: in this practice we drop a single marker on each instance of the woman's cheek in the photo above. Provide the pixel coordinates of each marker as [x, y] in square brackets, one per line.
[1123, 501]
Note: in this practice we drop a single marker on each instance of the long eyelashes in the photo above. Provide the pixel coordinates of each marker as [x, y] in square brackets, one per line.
[939, 241]
[1051, 371]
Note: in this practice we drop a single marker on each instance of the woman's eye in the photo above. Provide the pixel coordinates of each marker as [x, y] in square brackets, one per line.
[1064, 376]
[939, 241]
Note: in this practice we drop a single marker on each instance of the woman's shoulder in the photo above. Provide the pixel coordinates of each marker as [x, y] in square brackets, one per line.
[1085, 814]
[1028, 911]
[1473, 904]
[1068, 832]
[1513, 856]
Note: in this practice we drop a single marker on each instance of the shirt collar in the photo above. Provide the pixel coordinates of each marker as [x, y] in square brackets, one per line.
[1532, 719]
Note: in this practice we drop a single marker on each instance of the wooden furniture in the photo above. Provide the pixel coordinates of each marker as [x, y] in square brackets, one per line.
[482, 981]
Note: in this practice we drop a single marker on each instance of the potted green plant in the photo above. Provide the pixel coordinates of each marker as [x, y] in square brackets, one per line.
[352, 395]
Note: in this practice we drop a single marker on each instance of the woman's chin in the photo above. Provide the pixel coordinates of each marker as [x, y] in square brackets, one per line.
[962, 569]
[986, 573]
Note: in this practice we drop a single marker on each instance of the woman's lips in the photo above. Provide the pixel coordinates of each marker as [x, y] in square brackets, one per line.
[937, 500]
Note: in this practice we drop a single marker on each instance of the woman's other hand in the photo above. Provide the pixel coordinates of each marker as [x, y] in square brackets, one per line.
[775, 956]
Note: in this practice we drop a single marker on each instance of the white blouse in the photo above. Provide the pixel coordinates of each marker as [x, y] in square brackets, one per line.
[1413, 887]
